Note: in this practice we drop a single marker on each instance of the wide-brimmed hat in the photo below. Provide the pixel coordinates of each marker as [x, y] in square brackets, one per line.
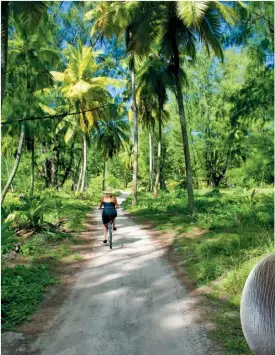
[108, 191]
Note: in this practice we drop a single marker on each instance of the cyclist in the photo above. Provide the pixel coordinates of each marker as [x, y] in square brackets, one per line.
[110, 204]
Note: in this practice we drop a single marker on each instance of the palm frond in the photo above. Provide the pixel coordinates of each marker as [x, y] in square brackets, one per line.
[104, 81]
[77, 90]
[69, 134]
[192, 12]
[29, 12]
[228, 13]
[210, 31]
[47, 109]
[58, 76]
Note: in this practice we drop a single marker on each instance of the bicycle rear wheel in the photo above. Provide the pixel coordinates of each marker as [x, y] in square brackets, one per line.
[110, 234]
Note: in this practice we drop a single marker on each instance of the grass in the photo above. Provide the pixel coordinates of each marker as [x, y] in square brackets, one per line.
[22, 290]
[24, 284]
[236, 231]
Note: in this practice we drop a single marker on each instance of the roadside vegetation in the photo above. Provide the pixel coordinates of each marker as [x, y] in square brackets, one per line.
[43, 227]
[231, 231]
[181, 115]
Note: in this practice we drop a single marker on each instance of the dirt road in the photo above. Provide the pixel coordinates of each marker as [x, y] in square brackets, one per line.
[126, 301]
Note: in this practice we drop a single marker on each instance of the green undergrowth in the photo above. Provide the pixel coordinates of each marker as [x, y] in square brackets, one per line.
[26, 278]
[230, 232]
[22, 290]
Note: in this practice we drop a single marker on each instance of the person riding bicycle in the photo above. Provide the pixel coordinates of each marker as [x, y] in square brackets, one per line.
[110, 204]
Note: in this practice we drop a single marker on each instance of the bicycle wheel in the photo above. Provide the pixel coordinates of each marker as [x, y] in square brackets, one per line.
[110, 234]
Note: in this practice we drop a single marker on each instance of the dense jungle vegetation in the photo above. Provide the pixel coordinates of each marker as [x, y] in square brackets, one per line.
[172, 101]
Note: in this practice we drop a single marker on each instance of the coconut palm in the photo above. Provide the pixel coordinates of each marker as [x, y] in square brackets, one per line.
[30, 60]
[118, 18]
[28, 12]
[176, 26]
[111, 137]
[147, 118]
[153, 83]
[84, 93]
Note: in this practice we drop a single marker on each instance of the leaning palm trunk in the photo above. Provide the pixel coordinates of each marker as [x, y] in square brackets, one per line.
[4, 44]
[16, 163]
[151, 159]
[32, 167]
[159, 160]
[8, 172]
[135, 164]
[185, 146]
[104, 174]
[84, 166]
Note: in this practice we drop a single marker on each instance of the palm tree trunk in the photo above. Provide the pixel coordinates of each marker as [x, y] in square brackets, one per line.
[135, 164]
[69, 167]
[185, 146]
[162, 184]
[104, 174]
[84, 166]
[8, 172]
[4, 44]
[32, 167]
[16, 163]
[159, 160]
[79, 179]
[151, 159]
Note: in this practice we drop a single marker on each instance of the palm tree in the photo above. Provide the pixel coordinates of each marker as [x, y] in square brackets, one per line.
[176, 26]
[119, 19]
[153, 82]
[28, 12]
[16, 163]
[110, 137]
[84, 93]
[147, 116]
[29, 60]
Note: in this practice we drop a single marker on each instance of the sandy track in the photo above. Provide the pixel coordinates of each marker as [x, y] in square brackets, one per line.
[126, 301]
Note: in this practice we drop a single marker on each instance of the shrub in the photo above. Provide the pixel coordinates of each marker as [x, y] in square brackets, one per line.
[22, 289]
[31, 213]
[214, 193]
[95, 187]
[8, 237]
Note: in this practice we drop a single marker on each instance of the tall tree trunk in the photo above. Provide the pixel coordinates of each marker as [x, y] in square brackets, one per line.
[135, 164]
[16, 163]
[196, 178]
[69, 167]
[57, 165]
[4, 44]
[53, 170]
[159, 160]
[32, 166]
[84, 166]
[79, 179]
[104, 174]
[151, 159]
[8, 172]
[162, 184]
[186, 146]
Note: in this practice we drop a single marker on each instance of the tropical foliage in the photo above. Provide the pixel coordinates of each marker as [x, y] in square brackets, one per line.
[173, 99]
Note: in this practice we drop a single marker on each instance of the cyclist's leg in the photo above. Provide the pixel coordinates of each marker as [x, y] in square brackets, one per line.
[105, 228]
[105, 221]
[114, 221]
